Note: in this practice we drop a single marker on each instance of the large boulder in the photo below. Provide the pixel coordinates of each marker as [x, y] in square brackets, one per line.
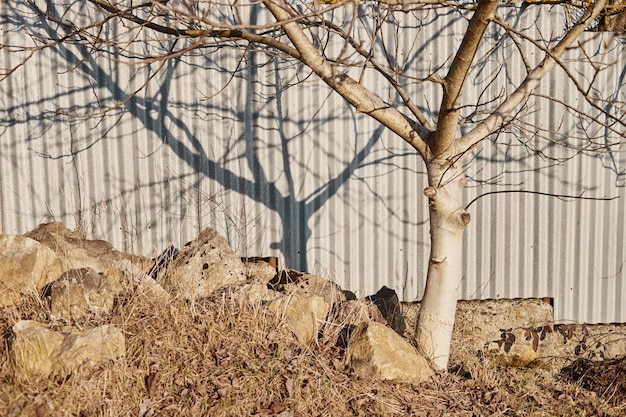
[203, 266]
[36, 351]
[25, 266]
[377, 351]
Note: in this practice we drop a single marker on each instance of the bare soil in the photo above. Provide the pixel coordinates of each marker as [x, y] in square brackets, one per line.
[224, 356]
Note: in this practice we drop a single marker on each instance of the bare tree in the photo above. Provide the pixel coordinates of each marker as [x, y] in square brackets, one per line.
[443, 136]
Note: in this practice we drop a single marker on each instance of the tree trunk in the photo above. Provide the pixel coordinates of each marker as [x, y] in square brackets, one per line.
[448, 219]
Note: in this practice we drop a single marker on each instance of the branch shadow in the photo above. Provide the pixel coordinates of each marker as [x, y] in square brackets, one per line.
[262, 126]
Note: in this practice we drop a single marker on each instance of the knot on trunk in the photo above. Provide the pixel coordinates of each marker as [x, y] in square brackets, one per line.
[430, 192]
[460, 218]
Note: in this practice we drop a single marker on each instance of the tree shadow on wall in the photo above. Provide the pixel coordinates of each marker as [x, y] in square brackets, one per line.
[197, 133]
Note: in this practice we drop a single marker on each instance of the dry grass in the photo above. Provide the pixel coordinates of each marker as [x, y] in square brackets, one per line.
[226, 357]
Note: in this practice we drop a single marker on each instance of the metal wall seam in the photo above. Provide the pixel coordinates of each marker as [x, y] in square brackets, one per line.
[349, 205]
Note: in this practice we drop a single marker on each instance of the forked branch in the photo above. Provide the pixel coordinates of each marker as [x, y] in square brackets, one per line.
[363, 100]
[501, 115]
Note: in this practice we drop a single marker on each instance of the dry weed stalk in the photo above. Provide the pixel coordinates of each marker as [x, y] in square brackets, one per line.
[225, 356]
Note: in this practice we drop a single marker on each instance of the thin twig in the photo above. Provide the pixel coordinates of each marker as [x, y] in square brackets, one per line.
[559, 196]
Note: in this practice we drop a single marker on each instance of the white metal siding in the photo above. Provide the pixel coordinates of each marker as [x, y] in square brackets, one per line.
[296, 173]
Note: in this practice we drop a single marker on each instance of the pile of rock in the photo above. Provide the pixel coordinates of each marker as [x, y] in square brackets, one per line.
[78, 279]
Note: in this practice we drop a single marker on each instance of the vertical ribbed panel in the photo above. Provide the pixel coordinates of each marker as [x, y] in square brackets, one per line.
[282, 166]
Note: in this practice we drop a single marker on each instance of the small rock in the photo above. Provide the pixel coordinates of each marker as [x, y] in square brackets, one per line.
[79, 293]
[89, 347]
[31, 346]
[25, 266]
[388, 303]
[256, 291]
[39, 352]
[377, 351]
[304, 316]
[262, 268]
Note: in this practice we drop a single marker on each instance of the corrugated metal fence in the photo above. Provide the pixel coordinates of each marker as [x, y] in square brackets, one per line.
[296, 173]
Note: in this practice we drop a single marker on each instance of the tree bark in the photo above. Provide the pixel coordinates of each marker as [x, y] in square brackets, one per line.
[439, 146]
[362, 99]
[448, 219]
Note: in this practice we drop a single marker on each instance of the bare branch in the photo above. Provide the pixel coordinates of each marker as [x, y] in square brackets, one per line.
[363, 100]
[447, 124]
[200, 33]
[595, 102]
[501, 115]
[389, 76]
[559, 196]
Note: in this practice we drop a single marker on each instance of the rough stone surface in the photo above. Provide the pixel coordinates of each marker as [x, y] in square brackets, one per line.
[141, 283]
[304, 316]
[498, 329]
[79, 293]
[551, 346]
[203, 266]
[481, 318]
[88, 348]
[302, 284]
[522, 333]
[78, 252]
[377, 351]
[349, 314]
[256, 290]
[31, 347]
[25, 266]
[261, 269]
[39, 352]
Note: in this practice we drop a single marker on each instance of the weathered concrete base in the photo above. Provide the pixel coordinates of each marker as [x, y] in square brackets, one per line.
[522, 333]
